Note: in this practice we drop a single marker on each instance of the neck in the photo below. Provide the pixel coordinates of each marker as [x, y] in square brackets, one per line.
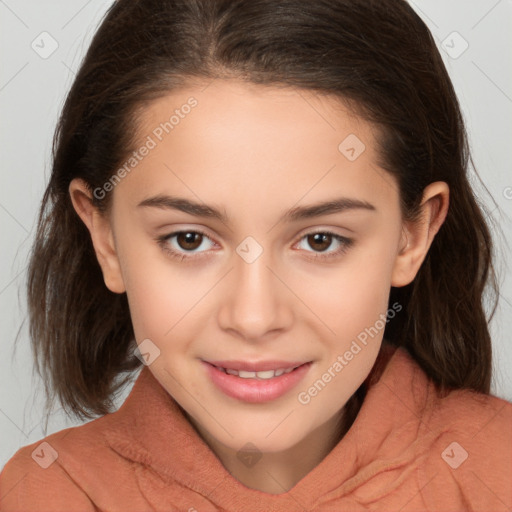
[278, 472]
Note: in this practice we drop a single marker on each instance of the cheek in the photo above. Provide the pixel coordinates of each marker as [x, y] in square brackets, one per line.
[349, 297]
[156, 294]
[353, 306]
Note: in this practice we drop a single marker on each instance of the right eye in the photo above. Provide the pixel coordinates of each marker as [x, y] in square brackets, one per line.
[180, 244]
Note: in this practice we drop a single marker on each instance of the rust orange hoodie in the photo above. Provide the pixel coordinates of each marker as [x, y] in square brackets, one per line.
[407, 450]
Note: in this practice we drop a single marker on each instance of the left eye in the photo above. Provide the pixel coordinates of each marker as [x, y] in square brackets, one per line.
[322, 240]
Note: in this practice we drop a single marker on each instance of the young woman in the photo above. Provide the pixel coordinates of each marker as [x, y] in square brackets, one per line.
[263, 204]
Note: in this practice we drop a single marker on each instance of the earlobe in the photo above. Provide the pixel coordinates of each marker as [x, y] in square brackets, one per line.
[101, 233]
[417, 236]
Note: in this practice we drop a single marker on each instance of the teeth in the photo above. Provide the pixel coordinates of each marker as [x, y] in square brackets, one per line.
[264, 375]
[246, 375]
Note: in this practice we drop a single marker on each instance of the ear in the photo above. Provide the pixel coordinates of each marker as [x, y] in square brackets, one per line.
[417, 236]
[100, 228]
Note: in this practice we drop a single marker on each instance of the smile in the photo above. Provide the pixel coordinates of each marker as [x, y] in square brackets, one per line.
[264, 375]
[256, 386]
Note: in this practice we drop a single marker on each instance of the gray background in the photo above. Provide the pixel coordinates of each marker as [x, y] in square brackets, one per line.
[474, 39]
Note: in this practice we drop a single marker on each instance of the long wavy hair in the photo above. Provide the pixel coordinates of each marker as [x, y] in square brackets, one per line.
[376, 55]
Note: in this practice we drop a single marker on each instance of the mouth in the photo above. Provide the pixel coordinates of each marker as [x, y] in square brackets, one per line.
[257, 370]
[262, 374]
[249, 382]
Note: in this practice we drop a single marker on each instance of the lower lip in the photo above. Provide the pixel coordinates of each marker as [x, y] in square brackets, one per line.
[256, 390]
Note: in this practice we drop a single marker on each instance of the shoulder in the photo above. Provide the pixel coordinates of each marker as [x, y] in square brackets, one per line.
[470, 450]
[459, 442]
[55, 472]
[471, 415]
[462, 412]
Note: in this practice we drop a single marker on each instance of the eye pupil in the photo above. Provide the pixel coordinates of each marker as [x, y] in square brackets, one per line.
[320, 238]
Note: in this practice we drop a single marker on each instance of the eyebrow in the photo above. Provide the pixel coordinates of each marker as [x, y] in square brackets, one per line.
[294, 214]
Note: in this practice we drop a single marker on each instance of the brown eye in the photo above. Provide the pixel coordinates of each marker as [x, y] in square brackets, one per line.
[189, 240]
[319, 241]
[324, 244]
[185, 244]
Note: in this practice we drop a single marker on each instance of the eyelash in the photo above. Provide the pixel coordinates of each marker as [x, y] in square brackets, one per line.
[346, 243]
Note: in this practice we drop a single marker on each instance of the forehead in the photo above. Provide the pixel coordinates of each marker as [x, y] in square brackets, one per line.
[227, 137]
[253, 117]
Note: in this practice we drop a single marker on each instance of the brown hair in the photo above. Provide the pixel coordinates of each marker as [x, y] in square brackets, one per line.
[377, 55]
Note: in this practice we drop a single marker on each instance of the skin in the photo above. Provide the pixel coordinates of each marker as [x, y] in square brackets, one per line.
[255, 152]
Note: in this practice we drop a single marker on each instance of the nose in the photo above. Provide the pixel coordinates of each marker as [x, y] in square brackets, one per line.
[257, 303]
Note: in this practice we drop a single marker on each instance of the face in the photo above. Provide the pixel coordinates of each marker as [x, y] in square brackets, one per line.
[256, 276]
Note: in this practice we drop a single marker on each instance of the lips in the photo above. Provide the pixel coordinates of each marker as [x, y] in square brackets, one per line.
[256, 386]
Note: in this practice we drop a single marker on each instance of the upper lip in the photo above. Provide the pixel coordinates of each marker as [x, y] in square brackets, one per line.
[257, 366]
